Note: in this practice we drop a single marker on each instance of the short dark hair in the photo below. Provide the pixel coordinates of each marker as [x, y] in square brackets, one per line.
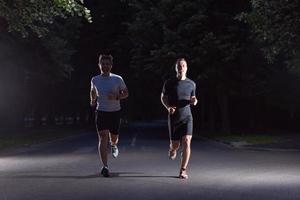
[178, 61]
[106, 57]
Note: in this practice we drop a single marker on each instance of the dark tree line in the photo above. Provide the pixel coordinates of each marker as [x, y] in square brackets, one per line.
[243, 55]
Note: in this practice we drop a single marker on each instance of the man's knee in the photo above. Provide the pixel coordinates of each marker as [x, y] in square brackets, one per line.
[186, 140]
[103, 135]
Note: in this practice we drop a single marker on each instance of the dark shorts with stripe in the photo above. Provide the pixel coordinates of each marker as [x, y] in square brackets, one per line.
[180, 128]
[108, 121]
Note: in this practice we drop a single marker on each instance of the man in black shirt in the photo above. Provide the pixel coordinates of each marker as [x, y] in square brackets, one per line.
[177, 96]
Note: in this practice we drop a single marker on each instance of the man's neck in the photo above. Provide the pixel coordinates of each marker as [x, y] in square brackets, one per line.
[105, 74]
[181, 77]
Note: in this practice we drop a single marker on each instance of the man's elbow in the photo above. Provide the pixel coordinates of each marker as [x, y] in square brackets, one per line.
[92, 94]
[163, 99]
[126, 94]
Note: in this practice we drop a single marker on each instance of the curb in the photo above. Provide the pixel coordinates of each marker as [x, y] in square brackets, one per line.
[246, 146]
[268, 149]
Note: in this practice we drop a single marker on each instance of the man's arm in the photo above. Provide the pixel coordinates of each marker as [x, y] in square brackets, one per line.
[123, 94]
[165, 102]
[93, 97]
[194, 100]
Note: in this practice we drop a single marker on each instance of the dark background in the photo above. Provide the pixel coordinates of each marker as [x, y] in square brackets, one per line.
[243, 56]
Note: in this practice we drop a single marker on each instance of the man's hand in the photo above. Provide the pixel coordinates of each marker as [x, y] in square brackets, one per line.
[171, 110]
[93, 102]
[113, 97]
[123, 94]
[194, 101]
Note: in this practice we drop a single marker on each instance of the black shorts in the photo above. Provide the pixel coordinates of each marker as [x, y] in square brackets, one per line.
[108, 121]
[178, 129]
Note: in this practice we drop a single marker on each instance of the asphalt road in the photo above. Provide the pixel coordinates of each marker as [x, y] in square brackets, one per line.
[69, 169]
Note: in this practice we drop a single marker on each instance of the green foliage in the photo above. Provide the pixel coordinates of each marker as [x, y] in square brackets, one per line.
[43, 19]
[36, 15]
[276, 26]
[53, 64]
[205, 32]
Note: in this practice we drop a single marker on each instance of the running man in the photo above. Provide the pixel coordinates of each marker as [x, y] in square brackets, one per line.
[107, 89]
[177, 95]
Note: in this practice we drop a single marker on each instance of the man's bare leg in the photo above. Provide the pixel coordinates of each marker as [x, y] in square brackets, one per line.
[186, 153]
[102, 147]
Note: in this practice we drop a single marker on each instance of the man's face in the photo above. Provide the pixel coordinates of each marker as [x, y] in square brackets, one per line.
[105, 66]
[181, 67]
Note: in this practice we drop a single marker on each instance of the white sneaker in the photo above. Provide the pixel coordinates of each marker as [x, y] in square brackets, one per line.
[114, 151]
[172, 154]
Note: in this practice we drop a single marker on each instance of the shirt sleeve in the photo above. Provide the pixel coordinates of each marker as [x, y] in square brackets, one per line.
[122, 84]
[194, 90]
[165, 89]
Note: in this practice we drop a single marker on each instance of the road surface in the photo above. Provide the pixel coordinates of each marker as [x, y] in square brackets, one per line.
[69, 169]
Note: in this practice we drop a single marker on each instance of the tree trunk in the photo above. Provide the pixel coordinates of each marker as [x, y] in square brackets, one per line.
[225, 113]
[211, 118]
[202, 114]
[224, 108]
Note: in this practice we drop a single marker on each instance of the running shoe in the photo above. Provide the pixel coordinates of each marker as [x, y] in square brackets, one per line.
[183, 174]
[105, 171]
[114, 151]
[172, 154]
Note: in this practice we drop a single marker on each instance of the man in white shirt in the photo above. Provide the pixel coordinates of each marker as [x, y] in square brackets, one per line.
[107, 89]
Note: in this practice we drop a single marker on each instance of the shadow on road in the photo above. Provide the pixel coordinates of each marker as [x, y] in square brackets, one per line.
[96, 175]
[136, 175]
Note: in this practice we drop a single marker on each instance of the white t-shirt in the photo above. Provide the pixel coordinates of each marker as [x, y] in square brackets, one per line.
[105, 85]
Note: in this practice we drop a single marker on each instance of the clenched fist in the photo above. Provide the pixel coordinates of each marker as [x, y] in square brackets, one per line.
[194, 101]
[171, 110]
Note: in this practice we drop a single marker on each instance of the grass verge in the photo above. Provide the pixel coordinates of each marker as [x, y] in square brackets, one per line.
[30, 137]
[249, 138]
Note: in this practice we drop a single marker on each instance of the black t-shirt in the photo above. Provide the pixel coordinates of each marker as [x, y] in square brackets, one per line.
[179, 93]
